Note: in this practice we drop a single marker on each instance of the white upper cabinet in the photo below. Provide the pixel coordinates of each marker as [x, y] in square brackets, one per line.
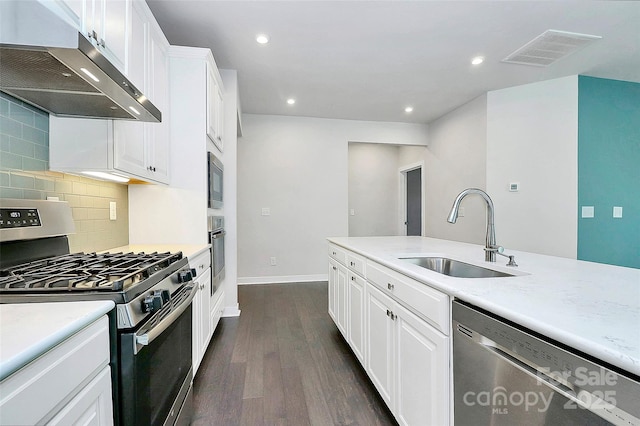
[215, 106]
[107, 24]
[134, 149]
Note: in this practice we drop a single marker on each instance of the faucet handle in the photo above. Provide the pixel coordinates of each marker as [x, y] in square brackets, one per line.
[500, 251]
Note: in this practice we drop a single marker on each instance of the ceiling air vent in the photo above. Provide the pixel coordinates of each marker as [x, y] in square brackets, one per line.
[550, 47]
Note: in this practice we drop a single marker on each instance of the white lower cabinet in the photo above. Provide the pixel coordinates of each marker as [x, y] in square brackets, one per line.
[338, 295]
[68, 385]
[379, 338]
[92, 406]
[202, 329]
[356, 320]
[422, 371]
[402, 344]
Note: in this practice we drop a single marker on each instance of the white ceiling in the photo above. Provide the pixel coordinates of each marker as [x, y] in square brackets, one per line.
[367, 60]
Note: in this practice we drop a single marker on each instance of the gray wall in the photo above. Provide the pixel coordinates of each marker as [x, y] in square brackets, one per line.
[456, 159]
[373, 189]
[298, 168]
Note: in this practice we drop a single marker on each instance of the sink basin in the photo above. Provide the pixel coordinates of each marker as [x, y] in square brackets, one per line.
[454, 268]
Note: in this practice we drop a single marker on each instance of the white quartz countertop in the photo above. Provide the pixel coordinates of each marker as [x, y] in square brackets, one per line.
[188, 250]
[592, 307]
[28, 330]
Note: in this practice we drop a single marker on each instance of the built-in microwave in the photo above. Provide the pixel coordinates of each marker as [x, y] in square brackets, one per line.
[216, 171]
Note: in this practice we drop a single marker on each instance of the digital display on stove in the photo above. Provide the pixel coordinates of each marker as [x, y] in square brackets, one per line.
[19, 218]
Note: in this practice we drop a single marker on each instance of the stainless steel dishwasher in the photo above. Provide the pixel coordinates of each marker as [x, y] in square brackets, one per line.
[505, 374]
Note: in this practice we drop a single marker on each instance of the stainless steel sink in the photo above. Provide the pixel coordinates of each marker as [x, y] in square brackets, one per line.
[454, 268]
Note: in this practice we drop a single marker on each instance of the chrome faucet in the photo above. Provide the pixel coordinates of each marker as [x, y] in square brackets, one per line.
[490, 245]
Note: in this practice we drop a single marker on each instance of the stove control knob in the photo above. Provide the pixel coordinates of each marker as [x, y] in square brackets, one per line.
[184, 276]
[152, 303]
[165, 295]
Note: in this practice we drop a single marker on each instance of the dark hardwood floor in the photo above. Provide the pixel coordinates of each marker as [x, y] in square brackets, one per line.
[283, 362]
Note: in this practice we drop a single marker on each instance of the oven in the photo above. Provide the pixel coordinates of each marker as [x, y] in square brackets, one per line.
[155, 366]
[151, 337]
[216, 239]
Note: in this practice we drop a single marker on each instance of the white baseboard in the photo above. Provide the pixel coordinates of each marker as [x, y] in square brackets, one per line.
[282, 279]
[231, 311]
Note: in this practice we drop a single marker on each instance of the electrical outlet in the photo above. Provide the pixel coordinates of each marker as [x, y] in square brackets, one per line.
[273, 261]
[266, 211]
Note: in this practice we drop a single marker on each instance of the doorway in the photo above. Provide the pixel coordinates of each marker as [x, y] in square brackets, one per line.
[412, 199]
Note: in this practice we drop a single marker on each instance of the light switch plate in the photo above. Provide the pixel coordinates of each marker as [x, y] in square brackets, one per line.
[617, 212]
[266, 211]
[112, 210]
[588, 211]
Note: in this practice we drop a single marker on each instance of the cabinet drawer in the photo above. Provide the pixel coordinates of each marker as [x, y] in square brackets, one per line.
[356, 263]
[54, 377]
[201, 262]
[426, 302]
[338, 254]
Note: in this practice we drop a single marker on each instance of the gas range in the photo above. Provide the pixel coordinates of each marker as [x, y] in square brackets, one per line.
[151, 325]
[139, 283]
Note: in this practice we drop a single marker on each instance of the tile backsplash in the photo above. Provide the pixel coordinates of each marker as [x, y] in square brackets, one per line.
[24, 173]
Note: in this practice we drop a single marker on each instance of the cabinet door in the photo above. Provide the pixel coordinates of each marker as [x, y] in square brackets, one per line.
[380, 341]
[342, 295]
[113, 27]
[137, 54]
[205, 315]
[219, 102]
[332, 290]
[92, 406]
[211, 108]
[196, 321]
[157, 134]
[129, 148]
[217, 306]
[356, 316]
[422, 372]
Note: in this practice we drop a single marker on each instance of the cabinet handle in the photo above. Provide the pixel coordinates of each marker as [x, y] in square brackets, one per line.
[353, 278]
[390, 286]
[334, 253]
[352, 264]
[334, 268]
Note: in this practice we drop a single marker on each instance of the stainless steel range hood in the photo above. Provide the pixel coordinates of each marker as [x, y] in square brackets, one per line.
[46, 62]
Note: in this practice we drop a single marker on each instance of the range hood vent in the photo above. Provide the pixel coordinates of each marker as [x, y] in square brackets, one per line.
[550, 47]
[47, 63]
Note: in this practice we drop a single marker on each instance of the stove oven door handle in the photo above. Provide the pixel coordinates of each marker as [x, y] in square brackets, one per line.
[150, 335]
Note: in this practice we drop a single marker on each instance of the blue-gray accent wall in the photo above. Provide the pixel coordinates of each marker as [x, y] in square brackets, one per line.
[609, 170]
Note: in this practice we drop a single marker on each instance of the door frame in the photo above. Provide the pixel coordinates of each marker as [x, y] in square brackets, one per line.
[402, 196]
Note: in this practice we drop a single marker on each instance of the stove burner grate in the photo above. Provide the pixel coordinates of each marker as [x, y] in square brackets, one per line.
[108, 272]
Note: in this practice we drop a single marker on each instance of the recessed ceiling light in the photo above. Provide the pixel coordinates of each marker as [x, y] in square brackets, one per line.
[477, 60]
[262, 38]
[408, 109]
[291, 101]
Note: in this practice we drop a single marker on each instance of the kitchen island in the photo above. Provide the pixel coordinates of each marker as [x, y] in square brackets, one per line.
[591, 307]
